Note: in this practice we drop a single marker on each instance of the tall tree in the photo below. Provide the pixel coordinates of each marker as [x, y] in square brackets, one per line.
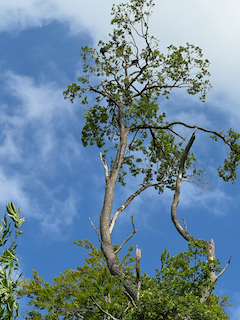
[128, 76]
[9, 264]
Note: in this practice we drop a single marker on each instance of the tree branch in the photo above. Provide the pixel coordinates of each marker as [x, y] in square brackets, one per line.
[95, 229]
[101, 309]
[185, 224]
[168, 126]
[179, 228]
[127, 202]
[134, 231]
[223, 270]
[104, 166]
[130, 298]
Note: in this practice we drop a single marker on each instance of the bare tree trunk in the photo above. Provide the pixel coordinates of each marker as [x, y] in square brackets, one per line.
[113, 264]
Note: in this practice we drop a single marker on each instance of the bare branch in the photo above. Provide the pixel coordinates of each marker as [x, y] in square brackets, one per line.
[101, 309]
[219, 275]
[127, 202]
[128, 307]
[134, 231]
[185, 224]
[95, 229]
[130, 298]
[104, 166]
[114, 218]
[177, 134]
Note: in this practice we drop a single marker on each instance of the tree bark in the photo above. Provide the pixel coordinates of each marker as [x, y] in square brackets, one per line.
[113, 264]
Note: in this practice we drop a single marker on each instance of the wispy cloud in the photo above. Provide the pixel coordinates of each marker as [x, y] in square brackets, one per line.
[59, 216]
[35, 141]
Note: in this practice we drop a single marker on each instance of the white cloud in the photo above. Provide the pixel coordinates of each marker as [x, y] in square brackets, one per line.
[31, 140]
[39, 106]
[22, 14]
[8, 149]
[39, 101]
[79, 15]
[215, 202]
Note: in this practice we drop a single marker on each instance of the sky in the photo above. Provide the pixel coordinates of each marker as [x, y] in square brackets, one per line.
[59, 184]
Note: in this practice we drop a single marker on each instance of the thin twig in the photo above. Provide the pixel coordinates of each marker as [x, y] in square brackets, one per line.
[101, 309]
[219, 275]
[134, 231]
[185, 224]
[104, 166]
[130, 298]
[128, 307]
[95, 229]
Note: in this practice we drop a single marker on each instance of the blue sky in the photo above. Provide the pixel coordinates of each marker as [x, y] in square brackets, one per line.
[59, 184]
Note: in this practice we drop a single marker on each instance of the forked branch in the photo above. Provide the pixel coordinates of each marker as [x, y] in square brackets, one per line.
[129, 199]
[103, 311]
[134, 231]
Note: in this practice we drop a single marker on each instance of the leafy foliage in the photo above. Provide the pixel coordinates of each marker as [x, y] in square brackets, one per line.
[175, 289]
[131, 71]
[9, 264]
[109, 73]
[228, 171]
[71, 292]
